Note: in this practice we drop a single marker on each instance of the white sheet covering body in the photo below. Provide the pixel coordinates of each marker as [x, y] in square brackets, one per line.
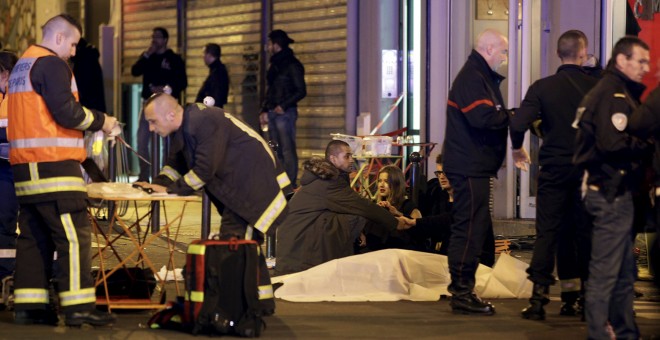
[395, 274]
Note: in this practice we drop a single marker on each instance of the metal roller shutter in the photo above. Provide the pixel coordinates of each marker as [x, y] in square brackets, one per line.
[319, 30]
[139, 18]
[235, 25]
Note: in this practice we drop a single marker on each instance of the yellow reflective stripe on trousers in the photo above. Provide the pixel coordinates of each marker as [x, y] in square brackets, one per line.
[196, 249]
[89, 119]
[49, 185]
[194, 296]
[265, 292]
[170, 173]
[193, 180]
[283, 180]
[74, 252]
[274, 209]
[7, 253]
[30, 295]
[78, 297]
[571, 285]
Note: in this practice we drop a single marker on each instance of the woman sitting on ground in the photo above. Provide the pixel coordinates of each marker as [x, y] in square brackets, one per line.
[391, 196]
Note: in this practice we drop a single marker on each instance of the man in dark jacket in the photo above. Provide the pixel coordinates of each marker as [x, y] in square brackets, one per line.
[216, 84]
[475, 145]
[286, 87]
[611, 158]
[560, 212]
[212, 150]
[645, 123]
[326, 216]
[162, 70]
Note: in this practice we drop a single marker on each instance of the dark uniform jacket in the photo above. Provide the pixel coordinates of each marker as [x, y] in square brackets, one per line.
[286, 81]
[325, 217]
[645, 123]
[218, 152]
[475, 139]
[554, 100]
[216, 84]
[607, 151]
[160, 70]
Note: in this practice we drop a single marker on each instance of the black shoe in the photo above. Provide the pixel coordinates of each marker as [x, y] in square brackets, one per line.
[94, 318]
[470, 304]
[534, 311]
[36, 317]
[568, 309]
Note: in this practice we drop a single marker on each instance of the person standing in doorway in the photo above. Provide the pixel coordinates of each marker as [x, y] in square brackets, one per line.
[286, 87]
[475, 146]
[216, 84]
[162, 70]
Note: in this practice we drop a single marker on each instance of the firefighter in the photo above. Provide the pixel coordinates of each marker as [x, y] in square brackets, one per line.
[214, 151]
[45, 128]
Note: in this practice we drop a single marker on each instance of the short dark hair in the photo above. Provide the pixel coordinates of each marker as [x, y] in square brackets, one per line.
[570, 43]
[438, 159]
[213, 49]
[625, 46]
[163, 31]
[7, 61]
[71, 20]
[334, 147]
[281, 38]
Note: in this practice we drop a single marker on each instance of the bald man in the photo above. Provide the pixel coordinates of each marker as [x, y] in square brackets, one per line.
[213, 151]
[475, 145]
[45, 130]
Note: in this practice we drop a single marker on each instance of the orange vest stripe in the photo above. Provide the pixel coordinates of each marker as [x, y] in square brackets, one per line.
[33, 134]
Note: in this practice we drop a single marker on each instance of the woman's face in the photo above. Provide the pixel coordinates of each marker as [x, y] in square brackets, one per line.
[383, 185]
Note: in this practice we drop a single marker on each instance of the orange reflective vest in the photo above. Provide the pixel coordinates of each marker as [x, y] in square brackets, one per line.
[3, 110]
[33, 134]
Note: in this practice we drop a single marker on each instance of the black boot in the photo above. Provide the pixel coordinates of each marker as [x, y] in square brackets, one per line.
[539, 299]
[93, 317]
[569, 303]
[470, 304]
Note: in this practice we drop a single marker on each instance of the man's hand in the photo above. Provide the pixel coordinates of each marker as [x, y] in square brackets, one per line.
[154, 187]
[263, 118]
[109, 124]
[278, 109]
[404, 223]
[520, 158]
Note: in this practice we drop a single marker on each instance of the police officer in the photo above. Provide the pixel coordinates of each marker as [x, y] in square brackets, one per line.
[45, 127]
[559, 213]
[611, 158]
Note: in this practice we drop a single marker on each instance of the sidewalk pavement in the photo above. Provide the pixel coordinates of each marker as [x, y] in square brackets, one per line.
[363, 320]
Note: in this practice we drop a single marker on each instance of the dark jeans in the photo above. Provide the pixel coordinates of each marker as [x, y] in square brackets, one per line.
[282, 130]
[472, 223]
[8, 219]
[612, 267]
[560, 226]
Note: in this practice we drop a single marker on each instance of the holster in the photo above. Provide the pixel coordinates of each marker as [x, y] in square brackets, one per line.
[613, 185]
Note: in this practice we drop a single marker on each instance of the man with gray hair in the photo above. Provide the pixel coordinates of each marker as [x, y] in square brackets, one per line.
[475, 146]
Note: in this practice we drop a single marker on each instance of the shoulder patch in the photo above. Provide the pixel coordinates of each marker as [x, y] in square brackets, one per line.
[620, 121]
[619, 95]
